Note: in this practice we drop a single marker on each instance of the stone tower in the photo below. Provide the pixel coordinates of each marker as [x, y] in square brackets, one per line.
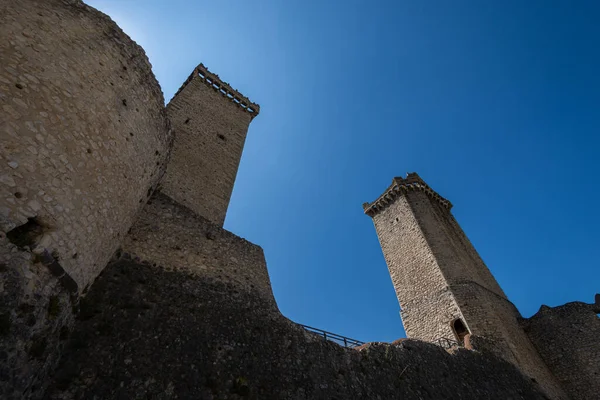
[210, 120]
[444, 288]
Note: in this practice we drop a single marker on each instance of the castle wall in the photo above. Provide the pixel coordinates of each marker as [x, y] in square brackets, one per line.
[84, 137]
[567, 338]
[174, 237]
[149, 332]
[210, 121]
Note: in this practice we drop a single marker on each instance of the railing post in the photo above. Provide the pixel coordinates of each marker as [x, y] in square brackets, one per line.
[345, 343]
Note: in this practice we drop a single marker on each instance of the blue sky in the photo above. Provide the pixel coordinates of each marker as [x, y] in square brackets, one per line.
[495, 104]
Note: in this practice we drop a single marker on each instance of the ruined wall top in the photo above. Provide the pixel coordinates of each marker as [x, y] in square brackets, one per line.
[567, 339]
[213, 81]
[402, 185]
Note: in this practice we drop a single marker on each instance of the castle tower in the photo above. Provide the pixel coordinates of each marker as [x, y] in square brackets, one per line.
[210, 120]
[444, 288]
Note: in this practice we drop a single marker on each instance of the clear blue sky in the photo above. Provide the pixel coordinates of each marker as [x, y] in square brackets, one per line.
[496, 104]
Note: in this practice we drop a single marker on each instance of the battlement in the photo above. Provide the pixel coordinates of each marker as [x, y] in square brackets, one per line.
[214, 82]
[399, 186]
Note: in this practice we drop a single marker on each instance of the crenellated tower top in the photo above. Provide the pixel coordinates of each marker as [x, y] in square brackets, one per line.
[217, 84]
[400, 186]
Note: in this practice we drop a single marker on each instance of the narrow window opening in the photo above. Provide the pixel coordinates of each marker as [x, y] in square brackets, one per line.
[460, 330]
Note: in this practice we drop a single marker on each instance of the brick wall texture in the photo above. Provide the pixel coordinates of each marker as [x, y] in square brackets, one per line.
[210, 129]
[439, 277]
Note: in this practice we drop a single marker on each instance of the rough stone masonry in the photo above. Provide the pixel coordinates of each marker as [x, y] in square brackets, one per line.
[117, 279]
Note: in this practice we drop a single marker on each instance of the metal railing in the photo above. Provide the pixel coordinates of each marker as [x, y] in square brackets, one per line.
[446, 343]
[339, 339]
[443, 342]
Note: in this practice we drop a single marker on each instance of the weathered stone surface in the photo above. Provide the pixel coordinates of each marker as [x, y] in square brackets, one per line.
[84, 139]
[146, 332]
[35, 321]
[210, 120]
[84, 130]
[171, 235]
[568, 339]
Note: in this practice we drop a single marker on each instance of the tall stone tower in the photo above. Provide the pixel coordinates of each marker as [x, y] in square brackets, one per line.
[444, 288]
[210, 120]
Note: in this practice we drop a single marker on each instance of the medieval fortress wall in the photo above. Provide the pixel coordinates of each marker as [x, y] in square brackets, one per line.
[114, 263]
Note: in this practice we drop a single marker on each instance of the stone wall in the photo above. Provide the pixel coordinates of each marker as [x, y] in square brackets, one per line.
[83, 119]
[568, 339]
[428, 318]
[36, 299]
[173, 236]
[497, 319]
[210, 120]
[147, 332]
[84, 139]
